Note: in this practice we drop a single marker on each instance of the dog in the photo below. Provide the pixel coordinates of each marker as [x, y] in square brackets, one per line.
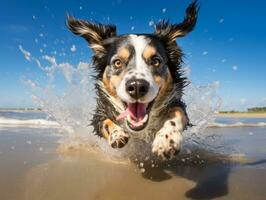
[139, 82]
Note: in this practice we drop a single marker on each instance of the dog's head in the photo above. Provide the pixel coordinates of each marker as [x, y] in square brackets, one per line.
[137, 69]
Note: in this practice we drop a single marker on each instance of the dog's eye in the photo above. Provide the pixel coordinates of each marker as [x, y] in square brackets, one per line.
[156, 62]
[117, 63]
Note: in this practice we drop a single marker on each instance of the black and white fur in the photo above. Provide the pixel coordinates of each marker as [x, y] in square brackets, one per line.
[161, 97]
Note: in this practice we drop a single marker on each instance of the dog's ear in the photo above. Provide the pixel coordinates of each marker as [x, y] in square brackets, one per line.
[93, 33]
[171, 32]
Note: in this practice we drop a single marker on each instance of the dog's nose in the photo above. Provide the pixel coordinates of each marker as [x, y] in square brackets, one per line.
[137, 88]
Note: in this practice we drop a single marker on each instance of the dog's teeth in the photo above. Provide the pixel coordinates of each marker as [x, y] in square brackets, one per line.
[128, 118]
[145, 118]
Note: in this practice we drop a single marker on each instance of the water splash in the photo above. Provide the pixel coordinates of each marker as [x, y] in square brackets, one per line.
[71, 104]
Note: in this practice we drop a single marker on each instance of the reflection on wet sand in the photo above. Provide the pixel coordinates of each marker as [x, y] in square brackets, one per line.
[82, 176]
[32, 169]
[79, 175]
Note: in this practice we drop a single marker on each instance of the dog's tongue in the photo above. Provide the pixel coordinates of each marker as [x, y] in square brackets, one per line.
[137, 111]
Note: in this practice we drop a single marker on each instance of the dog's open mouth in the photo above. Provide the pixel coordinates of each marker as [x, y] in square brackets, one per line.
[136, 115]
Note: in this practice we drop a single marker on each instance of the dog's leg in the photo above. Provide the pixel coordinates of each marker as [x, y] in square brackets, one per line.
[167, 141]
[115, 135]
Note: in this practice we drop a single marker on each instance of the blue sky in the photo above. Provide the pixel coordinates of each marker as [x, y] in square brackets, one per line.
[228, 44]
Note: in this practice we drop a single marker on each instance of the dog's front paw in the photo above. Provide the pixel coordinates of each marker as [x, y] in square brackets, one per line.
[167, 144]
[118, 138]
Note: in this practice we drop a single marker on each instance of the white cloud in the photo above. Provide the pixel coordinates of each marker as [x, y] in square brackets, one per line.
[73, 48]
[235, 67]
[243, 101]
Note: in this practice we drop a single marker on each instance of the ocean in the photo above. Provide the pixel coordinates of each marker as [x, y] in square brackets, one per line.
[38, 160]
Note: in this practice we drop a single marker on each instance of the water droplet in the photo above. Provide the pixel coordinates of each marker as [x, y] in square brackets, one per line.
[142, 170]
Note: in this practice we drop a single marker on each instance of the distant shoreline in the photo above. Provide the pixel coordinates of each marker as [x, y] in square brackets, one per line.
[243, 114]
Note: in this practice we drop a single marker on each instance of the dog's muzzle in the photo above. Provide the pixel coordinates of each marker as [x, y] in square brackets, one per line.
[136, 114]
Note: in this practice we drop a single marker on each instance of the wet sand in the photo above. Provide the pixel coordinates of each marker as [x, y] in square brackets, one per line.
[32, 168]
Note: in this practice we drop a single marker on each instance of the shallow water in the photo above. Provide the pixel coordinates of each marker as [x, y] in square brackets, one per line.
[32, 168]
[234, 120]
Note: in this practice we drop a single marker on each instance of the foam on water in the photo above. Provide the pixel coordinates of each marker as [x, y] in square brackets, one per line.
[237, 125]
[73, 108]
[49, 123]
[32, 123]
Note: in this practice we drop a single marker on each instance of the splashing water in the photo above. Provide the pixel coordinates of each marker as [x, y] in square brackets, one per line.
[72, 105]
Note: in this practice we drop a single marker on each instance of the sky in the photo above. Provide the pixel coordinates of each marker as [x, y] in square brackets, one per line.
[228, 45]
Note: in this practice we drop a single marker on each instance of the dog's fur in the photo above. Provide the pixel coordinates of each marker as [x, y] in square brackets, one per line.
[155, 58]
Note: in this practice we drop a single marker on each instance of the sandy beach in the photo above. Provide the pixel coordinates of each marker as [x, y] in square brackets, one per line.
[32, 168]
[228, 163]
[241, 115]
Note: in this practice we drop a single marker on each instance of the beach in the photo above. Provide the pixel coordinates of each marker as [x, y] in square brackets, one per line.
[180, 78]
[244, 114]
[32, 167]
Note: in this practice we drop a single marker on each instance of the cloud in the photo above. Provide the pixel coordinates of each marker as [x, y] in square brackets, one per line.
[243, 101]
[235, 67]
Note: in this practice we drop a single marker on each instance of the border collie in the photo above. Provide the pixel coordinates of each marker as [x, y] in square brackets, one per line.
[139, 82]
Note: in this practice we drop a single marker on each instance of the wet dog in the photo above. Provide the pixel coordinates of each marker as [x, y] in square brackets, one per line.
[139, 82]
